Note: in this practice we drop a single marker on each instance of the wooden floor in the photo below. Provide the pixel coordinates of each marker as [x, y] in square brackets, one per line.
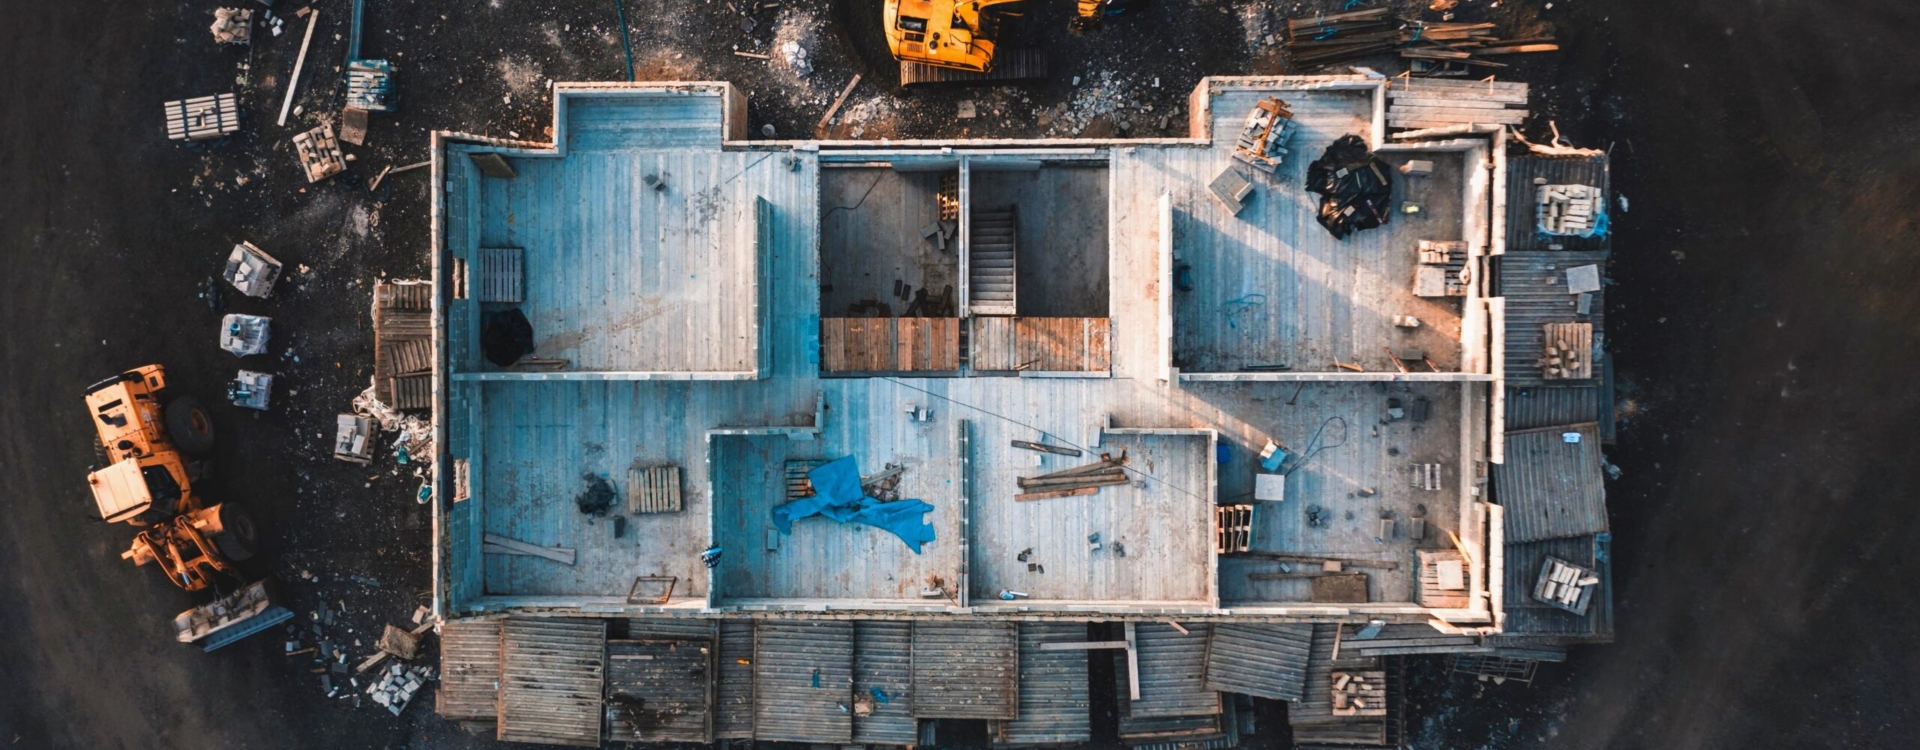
[1272, 287]
[870, 238]
[1356, 482]
[1061, 266]
[1161, 520]
[532, 441]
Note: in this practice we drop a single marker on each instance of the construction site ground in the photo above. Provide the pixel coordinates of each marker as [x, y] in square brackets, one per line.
[1763, 324]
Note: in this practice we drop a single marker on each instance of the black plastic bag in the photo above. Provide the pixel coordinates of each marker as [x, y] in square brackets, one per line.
[1355, 185]
[508, 337]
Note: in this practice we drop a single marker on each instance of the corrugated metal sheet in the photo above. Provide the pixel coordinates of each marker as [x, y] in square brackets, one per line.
[660, 690]
[1173, 671]
[1535, 287]
[1054, 703]
[469, 670]
[1316, 705]
[642, 629]
[1259, 659]
[1528, 408]
[1406, 639]
[733, 699]
[883, 661]
[1523, 194]
[966, 670]
[802, 676]
[552, 676]
[1527, 617]
[1551, 488]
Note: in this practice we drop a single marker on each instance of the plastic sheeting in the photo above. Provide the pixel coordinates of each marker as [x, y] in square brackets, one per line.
[1356, 188]
[837, 495]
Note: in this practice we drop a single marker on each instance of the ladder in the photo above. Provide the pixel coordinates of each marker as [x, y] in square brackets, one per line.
[990, 257]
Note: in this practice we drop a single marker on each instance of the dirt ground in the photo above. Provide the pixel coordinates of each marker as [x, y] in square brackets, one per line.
[1762, 318]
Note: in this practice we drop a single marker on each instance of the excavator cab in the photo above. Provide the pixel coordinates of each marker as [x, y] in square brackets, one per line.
[944, 33]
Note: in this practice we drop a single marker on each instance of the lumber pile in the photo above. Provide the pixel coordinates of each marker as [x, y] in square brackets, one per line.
[1359, 693]
[1432, 48]
[1565, 585]
[1428, 103]
[1075, 482]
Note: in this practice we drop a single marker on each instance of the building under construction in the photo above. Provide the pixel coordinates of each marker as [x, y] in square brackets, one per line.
[832, 441]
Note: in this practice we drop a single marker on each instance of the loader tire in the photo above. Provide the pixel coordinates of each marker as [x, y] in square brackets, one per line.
[238, 538]
[190, 426]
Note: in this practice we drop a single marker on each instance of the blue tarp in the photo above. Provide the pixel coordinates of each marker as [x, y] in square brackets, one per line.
[837, 495]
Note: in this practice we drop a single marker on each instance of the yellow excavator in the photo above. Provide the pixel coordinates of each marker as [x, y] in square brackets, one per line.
[939, 41]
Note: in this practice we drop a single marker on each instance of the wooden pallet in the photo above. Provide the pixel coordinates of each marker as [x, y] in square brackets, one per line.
[202, 117]
[654, 490]
[798, 484]
[1233, 528]
[502, 274]
[1008, 65]
[411, 391]
[319, 153]
[407, 356]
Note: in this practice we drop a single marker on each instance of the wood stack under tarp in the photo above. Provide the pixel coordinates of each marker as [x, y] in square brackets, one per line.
[403, 344]
[1075, 482]
[1426, 103]
[1432, 48]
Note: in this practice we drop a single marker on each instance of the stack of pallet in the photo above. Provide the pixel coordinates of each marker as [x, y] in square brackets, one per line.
[1565, 585]
[1419, 103]
[1233, 528]
[1263, 139]
[403, 344]
[1077, 481]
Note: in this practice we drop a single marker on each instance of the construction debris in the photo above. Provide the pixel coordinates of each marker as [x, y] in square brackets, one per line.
[397, 685]
[353, 439]
[232, 25]
[370, 85]
[1359, 693]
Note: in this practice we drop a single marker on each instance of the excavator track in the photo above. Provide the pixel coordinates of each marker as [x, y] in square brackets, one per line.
[1009, 65]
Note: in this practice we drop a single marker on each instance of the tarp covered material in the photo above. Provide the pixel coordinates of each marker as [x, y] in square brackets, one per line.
[837, 495]
[1355, 185]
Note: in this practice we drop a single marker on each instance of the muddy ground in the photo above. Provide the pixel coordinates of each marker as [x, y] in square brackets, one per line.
[1763, 324]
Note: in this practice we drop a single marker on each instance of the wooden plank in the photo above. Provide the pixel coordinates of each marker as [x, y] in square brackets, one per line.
[821, 129]
[1426, 99]
[1518, 49]
[1452, 114]
[1055, 494]
[506, 545]
[293, 82]
[1133, 664]
[1044, 448]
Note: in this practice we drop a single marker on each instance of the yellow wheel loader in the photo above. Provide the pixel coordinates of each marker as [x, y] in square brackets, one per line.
[147, 479]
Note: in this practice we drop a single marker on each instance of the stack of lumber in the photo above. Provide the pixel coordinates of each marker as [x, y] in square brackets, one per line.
[1077, 481]
[1565, 585]
[1449, 46]
[1421, 103]
[1329, 38]
[1433, 48]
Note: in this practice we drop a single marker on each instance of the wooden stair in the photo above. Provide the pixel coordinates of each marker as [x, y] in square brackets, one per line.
[990, 259]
